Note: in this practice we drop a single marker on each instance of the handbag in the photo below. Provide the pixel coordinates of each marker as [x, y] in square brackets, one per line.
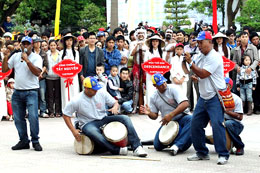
[225, 97]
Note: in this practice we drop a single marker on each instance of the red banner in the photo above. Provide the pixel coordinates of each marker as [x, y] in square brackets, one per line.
[156, 65]
[214, 20]
[228, 65]
[67, 69]
[3, 75]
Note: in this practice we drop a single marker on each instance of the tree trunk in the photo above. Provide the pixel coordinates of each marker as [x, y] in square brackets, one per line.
[232, 14]
[114, 15]
[8, 12]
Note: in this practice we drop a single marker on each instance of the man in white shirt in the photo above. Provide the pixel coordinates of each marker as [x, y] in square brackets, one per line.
[27, 66]
[207, 67]
[90, 107]
[173, 106]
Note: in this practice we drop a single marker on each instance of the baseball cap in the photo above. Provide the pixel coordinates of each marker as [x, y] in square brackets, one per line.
[229, 81]
[26, 38]
[204, 35]
[179, 45]
[158, 79]
[91, 82]
[100, 33]
[36, 39]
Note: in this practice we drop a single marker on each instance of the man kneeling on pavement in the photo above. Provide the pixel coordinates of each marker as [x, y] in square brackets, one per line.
[232, 121]
[172, 104]
[90, 108]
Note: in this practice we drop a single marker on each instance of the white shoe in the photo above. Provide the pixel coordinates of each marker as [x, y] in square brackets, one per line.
[123, 151]
[174, 149]
[140, 152]
[222, 160]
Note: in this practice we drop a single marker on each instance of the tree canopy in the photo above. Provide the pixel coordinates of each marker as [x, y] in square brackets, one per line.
[250, 14]
[176, 13]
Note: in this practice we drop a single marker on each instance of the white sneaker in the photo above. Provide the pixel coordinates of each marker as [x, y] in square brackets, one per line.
[140, 152]
[174, 149]
[222, 160]
[196, 157]
[123, 151]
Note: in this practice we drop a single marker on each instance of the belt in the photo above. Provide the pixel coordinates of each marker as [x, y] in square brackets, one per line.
[246, 81]
[36, 89]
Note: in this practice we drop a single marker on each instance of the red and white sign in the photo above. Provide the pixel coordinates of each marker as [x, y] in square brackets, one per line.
[228, 65]
[67, 69]
[156, 65]
[3, 75]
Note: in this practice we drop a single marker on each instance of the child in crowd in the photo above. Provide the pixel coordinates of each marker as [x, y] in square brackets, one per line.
[101, 75]
[123, 62]
[113, 86]
[9, 92]
[178, 77]
[246, 82]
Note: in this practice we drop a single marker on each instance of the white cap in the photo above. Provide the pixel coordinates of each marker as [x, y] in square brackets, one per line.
[10, 80]
[7, 34]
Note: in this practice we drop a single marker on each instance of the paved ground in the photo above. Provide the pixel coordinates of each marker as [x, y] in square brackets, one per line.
[59, 156]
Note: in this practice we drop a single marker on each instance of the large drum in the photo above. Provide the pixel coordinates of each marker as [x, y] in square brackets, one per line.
[85, 146]
[116, 133]
[169, 132]
[209, 136]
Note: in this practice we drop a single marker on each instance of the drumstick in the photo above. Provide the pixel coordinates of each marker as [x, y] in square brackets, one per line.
[129, 158]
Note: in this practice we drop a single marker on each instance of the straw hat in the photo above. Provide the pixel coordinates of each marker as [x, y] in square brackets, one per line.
[219, 35]
[67, 36]
[155, 37]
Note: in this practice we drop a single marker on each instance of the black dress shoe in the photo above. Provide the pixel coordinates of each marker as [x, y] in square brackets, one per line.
[21, 145]
[37, 147]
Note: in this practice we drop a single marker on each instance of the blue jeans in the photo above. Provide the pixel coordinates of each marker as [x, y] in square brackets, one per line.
[127, 106]
[20, 101]
[246, 92]
[208, 110]
[94, 131]
[182, 140]
[42, 92]
[234, 129]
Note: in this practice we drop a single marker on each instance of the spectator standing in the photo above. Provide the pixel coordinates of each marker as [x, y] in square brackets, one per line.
[112, 55]
[69, 52]
[27, 66]
[53, 82]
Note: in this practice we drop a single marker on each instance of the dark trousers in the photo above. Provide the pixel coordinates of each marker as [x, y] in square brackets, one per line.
[54, 96]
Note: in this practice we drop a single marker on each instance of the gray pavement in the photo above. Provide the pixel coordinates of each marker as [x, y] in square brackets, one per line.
[58, 154]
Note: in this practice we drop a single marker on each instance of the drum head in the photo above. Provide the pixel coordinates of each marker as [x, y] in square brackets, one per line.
[115, 131]
[85, 146]
[169, 132]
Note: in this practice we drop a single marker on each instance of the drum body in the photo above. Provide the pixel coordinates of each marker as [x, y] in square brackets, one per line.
[85, 146]
[116, 133]
[209, 136]
[169, 132]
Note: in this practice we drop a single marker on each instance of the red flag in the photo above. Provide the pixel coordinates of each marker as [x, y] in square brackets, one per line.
[214, 21]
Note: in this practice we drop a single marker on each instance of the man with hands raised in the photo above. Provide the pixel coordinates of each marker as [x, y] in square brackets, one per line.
[173, 107]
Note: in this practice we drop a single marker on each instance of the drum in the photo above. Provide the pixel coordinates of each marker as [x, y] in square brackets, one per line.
[169, 132]
[209, 136]
[85, 146]
[116, 133]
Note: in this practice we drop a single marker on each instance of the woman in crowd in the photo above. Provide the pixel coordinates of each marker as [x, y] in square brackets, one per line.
[53, 81]
[155, 45]
[69, 52]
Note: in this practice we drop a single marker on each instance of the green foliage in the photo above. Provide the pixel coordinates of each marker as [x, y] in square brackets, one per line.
[92, 18]
[205, 6]
[250, 14]
[176, 13]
